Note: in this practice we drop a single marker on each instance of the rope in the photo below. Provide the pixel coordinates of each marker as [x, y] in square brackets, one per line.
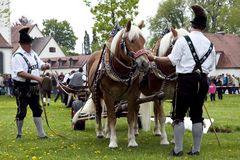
[45, 112]
[46, 118]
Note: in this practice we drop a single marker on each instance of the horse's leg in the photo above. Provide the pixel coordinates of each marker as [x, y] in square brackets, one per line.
[132, 118]
[136, 127]
[162, 120]
[156, 107]
[111, 120]
[99, 130]
[106, 130]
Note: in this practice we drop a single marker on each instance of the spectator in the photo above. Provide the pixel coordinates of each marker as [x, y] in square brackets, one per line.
[219, 88]
[212, 90]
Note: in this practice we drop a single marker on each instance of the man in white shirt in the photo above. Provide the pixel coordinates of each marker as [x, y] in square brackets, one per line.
[194, 57]
[26, 66]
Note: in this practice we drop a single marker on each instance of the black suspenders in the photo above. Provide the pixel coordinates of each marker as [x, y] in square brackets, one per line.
[30, 67]
[198, 61]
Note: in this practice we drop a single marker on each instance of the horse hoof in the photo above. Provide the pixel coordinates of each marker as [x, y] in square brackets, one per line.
[107, 136]
[136, 133]
[164, 142]
[100, 136]
[113, 145]
[132, 144]
[157, 133]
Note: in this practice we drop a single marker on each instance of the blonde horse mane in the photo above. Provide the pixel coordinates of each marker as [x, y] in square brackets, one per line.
[167, 40]
[134, 33]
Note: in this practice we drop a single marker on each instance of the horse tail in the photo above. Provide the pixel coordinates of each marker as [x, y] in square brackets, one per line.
[145, 112]
[88, 108]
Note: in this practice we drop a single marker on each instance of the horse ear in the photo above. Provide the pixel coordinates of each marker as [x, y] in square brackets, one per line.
[128, 27]
[174, 32]
[141, 24]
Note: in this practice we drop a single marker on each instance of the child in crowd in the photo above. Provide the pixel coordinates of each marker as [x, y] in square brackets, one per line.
[212, 91]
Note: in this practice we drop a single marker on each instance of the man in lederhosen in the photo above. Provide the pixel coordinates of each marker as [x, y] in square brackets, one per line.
[26, 66]
[194, 57]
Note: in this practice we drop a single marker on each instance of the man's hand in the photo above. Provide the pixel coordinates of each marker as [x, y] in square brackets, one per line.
[45, 66]
[151, 57]
[39, 79]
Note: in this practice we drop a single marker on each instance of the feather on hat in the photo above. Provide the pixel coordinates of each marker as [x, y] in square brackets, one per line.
[200, 18]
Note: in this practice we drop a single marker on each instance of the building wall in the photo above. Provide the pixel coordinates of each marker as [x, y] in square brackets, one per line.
[7, 55]
[46, 54]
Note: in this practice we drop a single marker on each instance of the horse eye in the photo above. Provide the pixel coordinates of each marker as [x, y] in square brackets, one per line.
[132, 41]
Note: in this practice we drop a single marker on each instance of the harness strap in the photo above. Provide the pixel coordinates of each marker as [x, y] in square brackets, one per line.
[30, 67]
[198, 61]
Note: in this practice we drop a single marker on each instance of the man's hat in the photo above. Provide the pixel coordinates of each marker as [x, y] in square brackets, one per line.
[200, 18]
[24, 36]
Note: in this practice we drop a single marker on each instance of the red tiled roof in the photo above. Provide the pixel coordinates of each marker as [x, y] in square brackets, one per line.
[4, 43]
[78, 61]
[229, 46]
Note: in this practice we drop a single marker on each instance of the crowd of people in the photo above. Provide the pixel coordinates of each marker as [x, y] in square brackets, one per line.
[223, 84]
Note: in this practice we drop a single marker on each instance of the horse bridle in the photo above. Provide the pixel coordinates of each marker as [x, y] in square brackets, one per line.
[133, 55]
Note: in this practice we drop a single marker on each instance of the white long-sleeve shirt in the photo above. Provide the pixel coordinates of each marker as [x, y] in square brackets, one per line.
[182, 58]
[19, 64]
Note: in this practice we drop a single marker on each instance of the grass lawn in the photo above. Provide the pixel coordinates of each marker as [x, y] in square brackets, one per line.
[84, 144]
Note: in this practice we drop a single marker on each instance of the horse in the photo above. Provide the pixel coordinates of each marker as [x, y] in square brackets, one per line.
[161, 78]
[114, 74]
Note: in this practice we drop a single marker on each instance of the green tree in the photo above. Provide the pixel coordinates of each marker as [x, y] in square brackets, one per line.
[86, 43]
[229, 20]
[4, 13]
[95, 45]
[169, 13]
[62, 32]
[106, 13]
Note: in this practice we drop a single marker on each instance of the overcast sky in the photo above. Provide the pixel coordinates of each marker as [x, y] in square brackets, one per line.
[74, 11]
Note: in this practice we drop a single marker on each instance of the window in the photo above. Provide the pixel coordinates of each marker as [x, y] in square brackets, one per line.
[52, 49]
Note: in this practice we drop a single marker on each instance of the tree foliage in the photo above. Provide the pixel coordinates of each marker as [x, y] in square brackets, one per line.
[223, 15]
[4, 13]
[62, 32]
[169, 13]
[106, 14]
[86, 43]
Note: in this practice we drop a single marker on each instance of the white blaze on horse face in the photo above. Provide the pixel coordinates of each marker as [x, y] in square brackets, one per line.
[168, 39]
[142, 61]
[134, 35]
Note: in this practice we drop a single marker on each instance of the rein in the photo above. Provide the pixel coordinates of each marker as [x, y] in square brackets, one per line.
[45, 113]
[112, 72]
[158, 73]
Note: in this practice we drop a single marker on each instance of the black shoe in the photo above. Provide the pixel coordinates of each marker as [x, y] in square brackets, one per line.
[193, 153]
[172, 153]
[19, 136]
[44, 137]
